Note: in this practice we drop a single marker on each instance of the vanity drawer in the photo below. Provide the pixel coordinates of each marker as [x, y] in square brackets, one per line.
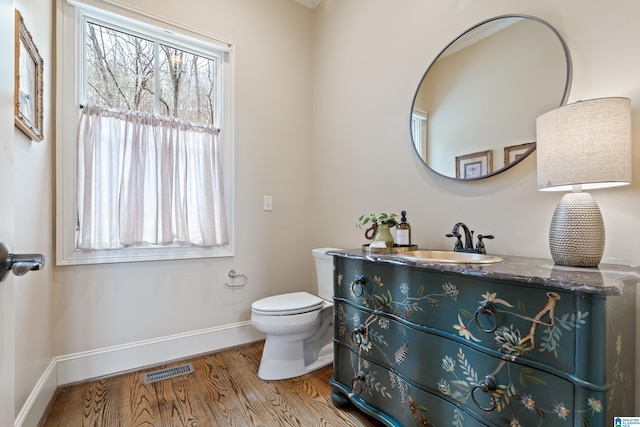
[520, 321]
[389, 398]
[486, 388]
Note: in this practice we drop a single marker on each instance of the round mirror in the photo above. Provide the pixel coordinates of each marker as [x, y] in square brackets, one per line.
[474, 113]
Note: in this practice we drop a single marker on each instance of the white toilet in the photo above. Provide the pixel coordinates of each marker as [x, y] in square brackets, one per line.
[298, 325]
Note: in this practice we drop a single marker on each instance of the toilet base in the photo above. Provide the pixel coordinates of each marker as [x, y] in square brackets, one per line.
[282, 358]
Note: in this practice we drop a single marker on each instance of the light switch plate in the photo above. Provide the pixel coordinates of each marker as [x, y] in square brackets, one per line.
[268, 203]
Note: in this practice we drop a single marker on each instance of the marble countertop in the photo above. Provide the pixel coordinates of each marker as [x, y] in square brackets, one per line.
[606, 279]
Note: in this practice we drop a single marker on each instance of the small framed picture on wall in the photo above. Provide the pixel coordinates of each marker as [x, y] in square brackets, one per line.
[28, 83]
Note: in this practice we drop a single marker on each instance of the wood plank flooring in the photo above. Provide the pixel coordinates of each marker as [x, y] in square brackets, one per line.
[224, 390]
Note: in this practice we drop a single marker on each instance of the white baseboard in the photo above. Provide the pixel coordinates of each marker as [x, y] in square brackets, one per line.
[112, 360]
[39, 398]
[108, 361]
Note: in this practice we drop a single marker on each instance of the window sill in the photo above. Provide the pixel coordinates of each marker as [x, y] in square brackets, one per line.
[80, 256]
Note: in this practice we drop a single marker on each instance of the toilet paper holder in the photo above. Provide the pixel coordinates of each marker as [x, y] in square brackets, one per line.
[18, 264]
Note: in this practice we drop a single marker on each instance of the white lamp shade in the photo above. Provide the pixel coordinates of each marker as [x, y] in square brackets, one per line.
[587, 143]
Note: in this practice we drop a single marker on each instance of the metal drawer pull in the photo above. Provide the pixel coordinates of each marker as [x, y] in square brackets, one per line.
[487, 385]
[487, 307]
[357, 334]
[357, 383]
[357, 286]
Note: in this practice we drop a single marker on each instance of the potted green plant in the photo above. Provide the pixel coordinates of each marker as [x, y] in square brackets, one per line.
[379, 229]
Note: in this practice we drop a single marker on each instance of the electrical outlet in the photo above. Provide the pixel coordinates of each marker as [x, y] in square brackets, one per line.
[268, 203]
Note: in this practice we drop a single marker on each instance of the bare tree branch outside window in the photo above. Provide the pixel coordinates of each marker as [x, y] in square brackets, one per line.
[121, 74]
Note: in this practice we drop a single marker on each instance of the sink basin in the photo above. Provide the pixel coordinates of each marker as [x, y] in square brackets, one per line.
[450, 257]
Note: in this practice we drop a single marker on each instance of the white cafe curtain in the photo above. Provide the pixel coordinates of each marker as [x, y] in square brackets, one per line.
[144, 179]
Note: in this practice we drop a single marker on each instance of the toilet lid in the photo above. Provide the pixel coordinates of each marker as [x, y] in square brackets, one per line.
[292, 303]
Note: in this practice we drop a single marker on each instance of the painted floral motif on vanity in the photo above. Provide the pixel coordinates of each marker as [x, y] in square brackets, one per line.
[487, 357]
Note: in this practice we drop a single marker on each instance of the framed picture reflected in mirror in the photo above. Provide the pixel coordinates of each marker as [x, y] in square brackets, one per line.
[516, 152]
[474, 165]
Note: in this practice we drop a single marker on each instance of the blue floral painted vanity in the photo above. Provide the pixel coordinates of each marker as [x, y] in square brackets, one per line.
[517, 343]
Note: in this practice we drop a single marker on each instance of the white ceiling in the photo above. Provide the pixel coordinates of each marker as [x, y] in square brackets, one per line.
[309, 3]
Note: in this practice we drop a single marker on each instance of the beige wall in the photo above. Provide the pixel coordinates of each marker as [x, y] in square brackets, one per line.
[107, 305]
[64, 311]
[369, 57]
[33, 222]
[322, 108]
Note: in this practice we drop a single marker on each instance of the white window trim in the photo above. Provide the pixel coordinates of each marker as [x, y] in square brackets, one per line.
[68, 102]
[419, 132]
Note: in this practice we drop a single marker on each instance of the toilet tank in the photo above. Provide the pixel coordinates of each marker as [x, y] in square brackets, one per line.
[324, 272]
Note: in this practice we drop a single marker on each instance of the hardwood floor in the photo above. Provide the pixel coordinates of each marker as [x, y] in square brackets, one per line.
[224, 390]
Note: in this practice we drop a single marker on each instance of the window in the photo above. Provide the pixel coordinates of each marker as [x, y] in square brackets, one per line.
[419, 132]
[135, 73]
[151, 146]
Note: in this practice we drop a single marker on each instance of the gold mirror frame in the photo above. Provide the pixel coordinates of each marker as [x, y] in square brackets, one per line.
[28, 83]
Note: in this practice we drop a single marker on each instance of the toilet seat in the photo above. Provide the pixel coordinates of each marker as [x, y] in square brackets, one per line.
[287, 304]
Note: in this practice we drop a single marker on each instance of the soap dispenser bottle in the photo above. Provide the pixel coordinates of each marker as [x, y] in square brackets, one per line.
[403, 232]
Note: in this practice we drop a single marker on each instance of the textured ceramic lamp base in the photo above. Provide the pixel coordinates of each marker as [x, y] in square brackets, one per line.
[576, 236]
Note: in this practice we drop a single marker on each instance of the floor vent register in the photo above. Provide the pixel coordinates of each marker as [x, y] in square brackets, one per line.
[163, 374]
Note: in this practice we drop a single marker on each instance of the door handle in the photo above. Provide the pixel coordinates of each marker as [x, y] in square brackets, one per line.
[19, 264]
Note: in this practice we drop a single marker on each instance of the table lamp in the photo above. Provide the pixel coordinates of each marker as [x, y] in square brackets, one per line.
[582, 146]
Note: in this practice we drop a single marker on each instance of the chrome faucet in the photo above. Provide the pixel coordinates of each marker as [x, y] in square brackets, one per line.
[467, 246]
